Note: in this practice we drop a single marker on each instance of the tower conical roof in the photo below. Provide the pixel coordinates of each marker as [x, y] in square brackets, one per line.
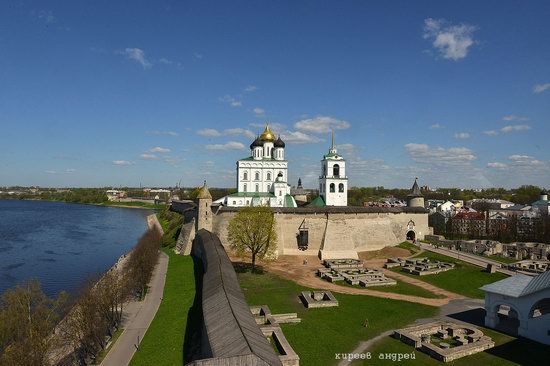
[204, 193]
[415, 190]
[279, 142]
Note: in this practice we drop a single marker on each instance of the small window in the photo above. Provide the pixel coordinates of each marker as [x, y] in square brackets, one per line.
[257, 176]
[332, 188]
[245, 176]
[341, 187]
[280, 193]
[244, 187]
[257, 187]
[269, 187]
[336, 170]
[268, 176]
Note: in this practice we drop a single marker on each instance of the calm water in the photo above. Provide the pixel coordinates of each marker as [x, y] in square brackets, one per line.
[61, 243]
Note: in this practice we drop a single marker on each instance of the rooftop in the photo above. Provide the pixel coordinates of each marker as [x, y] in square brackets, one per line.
[519, 285]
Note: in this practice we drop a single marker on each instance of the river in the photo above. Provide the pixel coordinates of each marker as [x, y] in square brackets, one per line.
[61, 244]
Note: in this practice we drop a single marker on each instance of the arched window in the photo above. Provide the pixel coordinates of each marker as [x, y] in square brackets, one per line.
[244, 187]
[269, 187]
[245, 176]
[332, 187]
[341, 187]
[324, 170]
[280, 193]
[257, 188]
[257, 175]
[268, 175]
[336, 170]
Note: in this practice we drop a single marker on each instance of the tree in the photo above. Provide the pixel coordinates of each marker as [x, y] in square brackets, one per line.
[27, 318]
[252, 232]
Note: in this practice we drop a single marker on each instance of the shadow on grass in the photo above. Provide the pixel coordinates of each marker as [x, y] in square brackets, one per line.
[473, 316]
[522, 351]
[242, 267]
[193, 330]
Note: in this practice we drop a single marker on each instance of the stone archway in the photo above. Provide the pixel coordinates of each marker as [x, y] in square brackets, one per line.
[411, 235]
[507, 319]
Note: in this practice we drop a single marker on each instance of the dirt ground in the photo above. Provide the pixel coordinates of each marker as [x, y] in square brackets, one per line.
[302, 269]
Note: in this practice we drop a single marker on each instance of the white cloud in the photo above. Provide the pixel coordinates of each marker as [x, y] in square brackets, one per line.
[511, 128]
[147, 156]
[436, 126]
[45, 15]
[321, 124]
[231, 145]
[451, 41]
[491, 133]
[163, 133]
[513, 117]
[233, 102]
[258, 111]
[137, 55]
[423, 153]
[298, 137]
[209, 132]
[497, 165]
[122, 162]
[250, 88]
[165, 61]
[239, 131]
[462, 135]
[197, 56]
[539, 88]
[525, 160]
[51, 172]
[158, 149]
[70, 170]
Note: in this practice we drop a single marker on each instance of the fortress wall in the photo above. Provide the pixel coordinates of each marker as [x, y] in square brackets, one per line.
[367, 231]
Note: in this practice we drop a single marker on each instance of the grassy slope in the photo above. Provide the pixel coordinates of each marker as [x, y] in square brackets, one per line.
[163, 342]
[324, 332]
[465, 279]
[409, 246]
[507, 351]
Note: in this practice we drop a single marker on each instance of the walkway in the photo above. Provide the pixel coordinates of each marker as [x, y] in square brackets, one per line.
[138, 317]
[467, 257]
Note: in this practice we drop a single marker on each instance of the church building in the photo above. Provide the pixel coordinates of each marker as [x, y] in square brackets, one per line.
[262, 177]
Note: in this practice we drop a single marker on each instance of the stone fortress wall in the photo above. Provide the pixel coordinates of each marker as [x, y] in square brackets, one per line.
[347, 227]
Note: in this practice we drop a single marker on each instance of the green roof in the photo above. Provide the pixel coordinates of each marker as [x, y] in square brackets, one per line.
[331, 155]
[251, 194]
[540, 202]
[289, 201]
[317, 202]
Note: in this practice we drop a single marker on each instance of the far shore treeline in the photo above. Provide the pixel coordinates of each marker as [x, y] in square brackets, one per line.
[356, 195]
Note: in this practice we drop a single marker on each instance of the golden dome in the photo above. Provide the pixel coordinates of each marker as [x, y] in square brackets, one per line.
[267, 135]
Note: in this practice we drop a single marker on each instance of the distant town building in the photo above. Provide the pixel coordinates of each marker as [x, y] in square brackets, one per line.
[115, 195]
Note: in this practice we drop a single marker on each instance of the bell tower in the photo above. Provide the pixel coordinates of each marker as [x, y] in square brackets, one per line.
[333, 181]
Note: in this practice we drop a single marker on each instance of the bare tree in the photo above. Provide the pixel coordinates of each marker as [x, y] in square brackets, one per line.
[27, 318]
[252, 231]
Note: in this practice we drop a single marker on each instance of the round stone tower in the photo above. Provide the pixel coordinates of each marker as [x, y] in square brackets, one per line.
[415, 198]
[204, 211]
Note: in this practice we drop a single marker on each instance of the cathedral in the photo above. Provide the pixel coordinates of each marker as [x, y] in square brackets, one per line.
[262, 177]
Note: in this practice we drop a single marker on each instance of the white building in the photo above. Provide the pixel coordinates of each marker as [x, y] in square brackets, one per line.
[262, 177]
[520, 305]
[333, 182]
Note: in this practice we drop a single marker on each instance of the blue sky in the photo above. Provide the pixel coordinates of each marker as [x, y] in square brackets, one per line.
[100, 93]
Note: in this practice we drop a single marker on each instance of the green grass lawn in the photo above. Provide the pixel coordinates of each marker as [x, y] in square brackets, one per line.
[400, 288]
[164, 341]
[465, 279]
[325, 332]
[409, 246]
[508, 350]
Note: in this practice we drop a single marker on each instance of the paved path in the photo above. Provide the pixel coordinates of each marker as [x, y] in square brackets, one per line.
[139, 315]
[467, 257]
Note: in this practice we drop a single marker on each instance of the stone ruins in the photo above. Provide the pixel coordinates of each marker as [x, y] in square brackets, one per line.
[419, 266]
[445, 341]
[318, 299]
[353, 272]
